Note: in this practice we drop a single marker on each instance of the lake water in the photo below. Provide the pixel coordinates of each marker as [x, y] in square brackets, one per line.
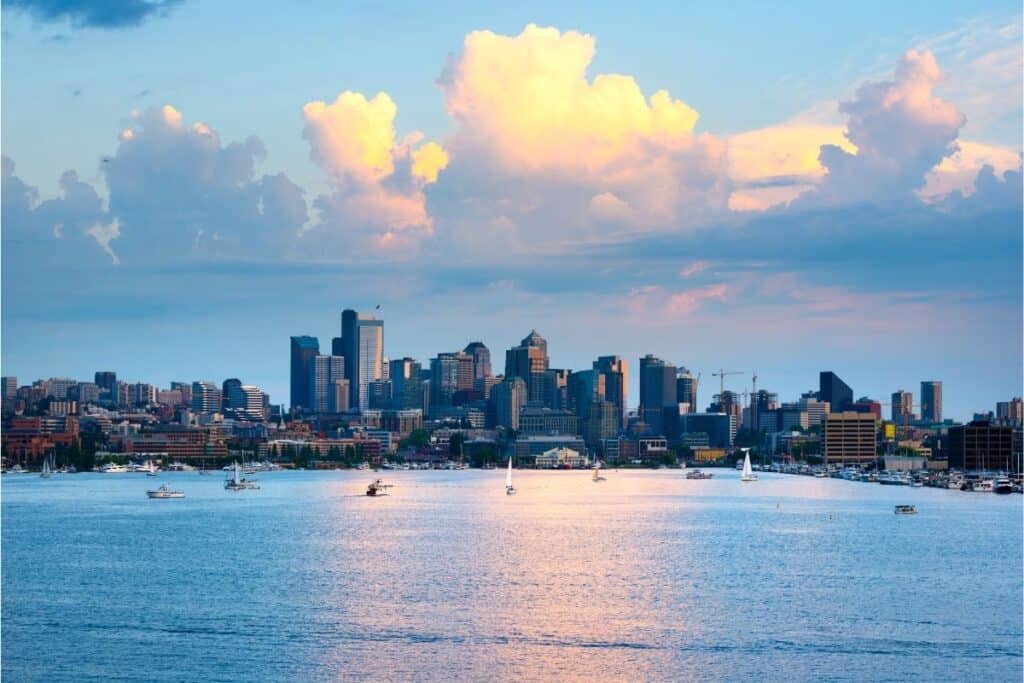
[645, 576]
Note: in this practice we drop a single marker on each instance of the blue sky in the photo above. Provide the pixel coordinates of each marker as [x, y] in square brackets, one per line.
[535, 193]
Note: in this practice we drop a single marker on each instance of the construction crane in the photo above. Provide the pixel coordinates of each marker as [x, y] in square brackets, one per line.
[721, 374]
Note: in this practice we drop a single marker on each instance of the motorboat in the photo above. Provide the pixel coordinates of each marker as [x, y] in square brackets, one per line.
[983, 486]
[113, 468]
[905, 510]
[893, 479]
[1002, 486]
[165, 491]
[697, 474]
[510, 490]
[748, 472]
[377, 488]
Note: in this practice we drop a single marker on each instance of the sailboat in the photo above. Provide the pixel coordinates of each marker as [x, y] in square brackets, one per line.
[236, 482]
[45, 474]
[597, 473]
[748, 471]
[509, 488]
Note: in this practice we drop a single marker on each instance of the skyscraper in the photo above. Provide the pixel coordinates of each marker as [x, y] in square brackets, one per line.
[686, 390]
[450, 372]
[229, 393]
[931, 401]
[105, 379]
[616, 378]
[834, 390]
[362, 339]
[509, 398]
[10, 386]
[324, 373]
[657, 393]
[303, 351]
[529, 361]
[406, 384]
[481, 361]
[902, 407]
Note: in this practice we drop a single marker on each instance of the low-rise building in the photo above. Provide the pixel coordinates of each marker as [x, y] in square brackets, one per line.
[851, 437]
[561, 458]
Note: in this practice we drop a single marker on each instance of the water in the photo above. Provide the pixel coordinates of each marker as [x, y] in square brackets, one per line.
[643, 577]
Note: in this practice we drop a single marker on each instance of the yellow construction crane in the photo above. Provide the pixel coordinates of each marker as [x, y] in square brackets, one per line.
[721, 379]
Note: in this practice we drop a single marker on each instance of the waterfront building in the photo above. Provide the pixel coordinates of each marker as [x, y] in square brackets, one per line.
[834, 391]
[362, 343]
[509, 397]
[982, 445]
[931, 402]
[529, 361]
[620, 449]
[527, 448]
[616, 378]
[850, 437]
[560, 457]
[657, 394]
[719, 427]
[206, 397]
[303, 350]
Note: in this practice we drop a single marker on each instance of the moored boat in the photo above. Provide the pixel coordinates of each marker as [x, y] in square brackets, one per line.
[1002, 486]
[165, 491]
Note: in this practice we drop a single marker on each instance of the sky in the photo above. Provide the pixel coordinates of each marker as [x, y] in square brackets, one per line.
[779, 189]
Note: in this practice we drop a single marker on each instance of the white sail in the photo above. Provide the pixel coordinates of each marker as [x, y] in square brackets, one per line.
[748, 471]
[508, 477]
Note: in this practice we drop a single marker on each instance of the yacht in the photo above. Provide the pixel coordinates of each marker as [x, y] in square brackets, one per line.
[1002, 485]
[236, 482]
[377, 488]
[165, 491]
[113, 468]
[905, 510]
[983, 486]
[697, 474]
[893, 479]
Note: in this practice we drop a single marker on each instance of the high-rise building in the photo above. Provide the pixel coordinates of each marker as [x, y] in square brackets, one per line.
[556, 388]
[303, 350]
[324, 373]
[816, 410]
[720, 428]
[247, 402]
[406, 384]
[850, 437]
[601, 422]
[931, 402]
[902, 407]
[509, 397]
[229, 391]
[658, 405]
[834, 391]
[206, 397]
[529, 361]
[10, 386]
[450, 372]
[1010, 412]
[616, 378]
[481, 360]
[106, 380]
[686, 390]
[60, 386]
[362, 339]
[583, 389]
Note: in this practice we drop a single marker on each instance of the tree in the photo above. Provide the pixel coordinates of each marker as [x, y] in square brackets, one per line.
[456, 444]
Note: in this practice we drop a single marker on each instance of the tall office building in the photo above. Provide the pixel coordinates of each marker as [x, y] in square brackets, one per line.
[106, 380]
[834, 391]
[406, 384]
[931, 402]
[324, 373]
[556, 388]
[362, 342]
[686, 390]
[902, 407]
[1010, 412]
[529, 361]
[509, 397]
[481, 361]
[658, 405]
[616, 378]
[584, 388]
[247, 402]
[206, 397]
[850, 437]
[10, 386]
[450, 372]
[229, 392]
[303, 350]
[981, 445]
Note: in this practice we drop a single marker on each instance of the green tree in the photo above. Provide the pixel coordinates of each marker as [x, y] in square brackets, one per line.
[456, 444]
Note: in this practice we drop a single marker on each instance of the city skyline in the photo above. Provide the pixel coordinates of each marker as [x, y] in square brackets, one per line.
[849, 203]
